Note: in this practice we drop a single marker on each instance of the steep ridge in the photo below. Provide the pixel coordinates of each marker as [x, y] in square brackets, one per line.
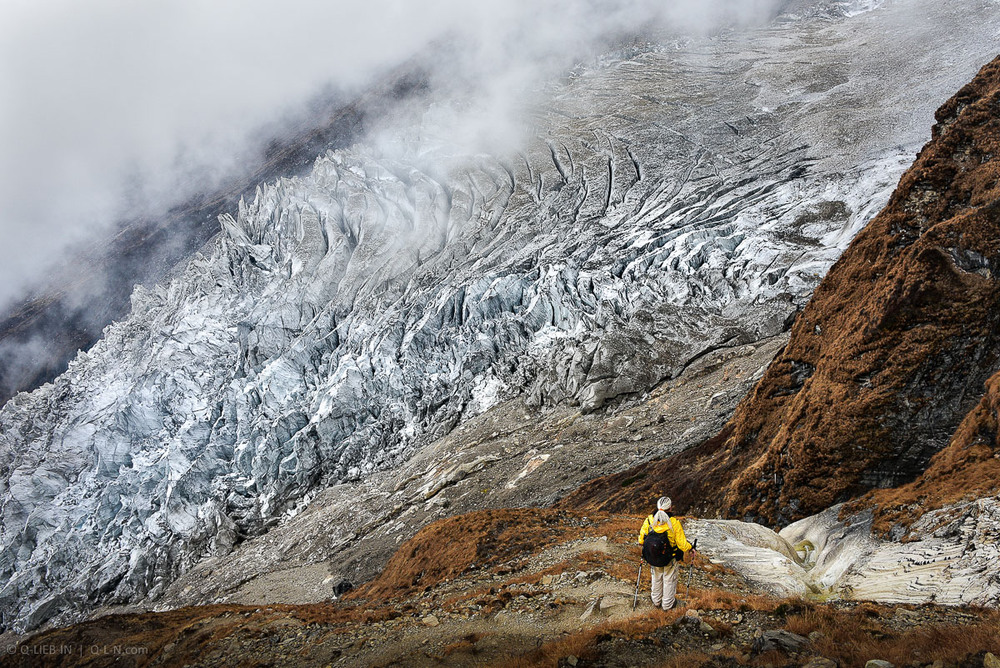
[662, 210]
[887, 358]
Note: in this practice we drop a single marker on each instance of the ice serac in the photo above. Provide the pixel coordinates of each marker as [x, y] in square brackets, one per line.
[663, 207]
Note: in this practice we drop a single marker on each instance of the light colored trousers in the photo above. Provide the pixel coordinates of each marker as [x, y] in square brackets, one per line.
[664, 586]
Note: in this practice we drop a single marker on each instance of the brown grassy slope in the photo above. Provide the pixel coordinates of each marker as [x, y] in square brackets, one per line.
[449, 547]
[885, 360]
[968, 468]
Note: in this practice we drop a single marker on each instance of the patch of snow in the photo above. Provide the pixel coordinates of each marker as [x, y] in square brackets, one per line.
[528, 469]
[486, 393]
[858, 7]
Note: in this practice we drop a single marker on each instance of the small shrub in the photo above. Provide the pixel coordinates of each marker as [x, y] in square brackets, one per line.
[465, 644]
[631, 479]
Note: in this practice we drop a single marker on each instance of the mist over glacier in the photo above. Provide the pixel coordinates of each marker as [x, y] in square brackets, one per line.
[129, 128]
[113, 108]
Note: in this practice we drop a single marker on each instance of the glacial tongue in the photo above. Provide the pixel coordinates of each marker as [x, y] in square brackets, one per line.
[663, 208]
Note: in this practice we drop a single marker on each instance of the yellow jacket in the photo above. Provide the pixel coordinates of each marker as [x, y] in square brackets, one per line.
[675, 535]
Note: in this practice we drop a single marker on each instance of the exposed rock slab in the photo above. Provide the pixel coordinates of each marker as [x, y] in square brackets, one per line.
[969, 468]
[948, 561]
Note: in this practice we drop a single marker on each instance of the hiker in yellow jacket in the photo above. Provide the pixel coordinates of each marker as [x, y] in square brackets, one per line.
[664, 566]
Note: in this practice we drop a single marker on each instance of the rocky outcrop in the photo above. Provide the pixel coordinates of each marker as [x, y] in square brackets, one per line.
[947, 559]
[966, 471]
[894, 347]
[544, 588]
[889, 355]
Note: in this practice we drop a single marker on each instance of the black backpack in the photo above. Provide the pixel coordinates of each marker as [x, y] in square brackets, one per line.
[657, 549]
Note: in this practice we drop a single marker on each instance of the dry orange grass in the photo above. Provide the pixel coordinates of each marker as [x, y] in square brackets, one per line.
[450, 547]
[549, 654]
[850, 637]
[626, 571]
[585, 561]
[856, 636]
[622, 528]
[465, 644]
[686, 660]
[725, 657]
[478, 594]
[721, 599]
[189, 631]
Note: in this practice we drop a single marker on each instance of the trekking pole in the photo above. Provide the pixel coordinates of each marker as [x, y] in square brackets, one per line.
[687, 589]
[637, 578]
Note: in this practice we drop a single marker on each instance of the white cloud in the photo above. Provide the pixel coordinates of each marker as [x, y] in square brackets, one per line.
[96, 93]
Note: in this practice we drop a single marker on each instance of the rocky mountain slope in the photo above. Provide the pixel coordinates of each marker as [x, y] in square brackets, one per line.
[890, 354]
[665, 215]
[897, 346]
[967, 469]
[552, 587]
[529, 587]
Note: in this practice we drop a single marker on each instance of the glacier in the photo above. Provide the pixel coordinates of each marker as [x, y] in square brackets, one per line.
[671, 200]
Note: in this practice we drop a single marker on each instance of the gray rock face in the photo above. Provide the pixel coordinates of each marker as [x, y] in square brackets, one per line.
[779, 640]
[683, 198]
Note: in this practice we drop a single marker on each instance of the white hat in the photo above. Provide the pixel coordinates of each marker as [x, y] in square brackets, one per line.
[664, 503]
